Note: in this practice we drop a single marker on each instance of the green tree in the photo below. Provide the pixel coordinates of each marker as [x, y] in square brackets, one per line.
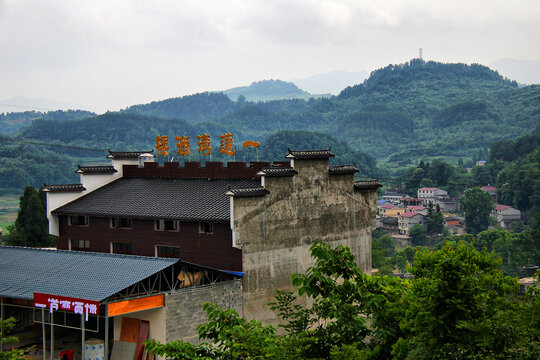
[477, 205]
[6, 326]
[461, 306]
[417, 234]
[31, 227]
[434, 220]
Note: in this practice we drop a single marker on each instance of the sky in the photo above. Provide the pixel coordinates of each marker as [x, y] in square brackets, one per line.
[106, 55]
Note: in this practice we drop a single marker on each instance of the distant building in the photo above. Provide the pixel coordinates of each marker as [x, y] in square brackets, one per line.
[393, 197]
[506, 215]
[492, 191]
[389, 225]
[417, 209]
[407, 220]
[391, 210]
[481, 162]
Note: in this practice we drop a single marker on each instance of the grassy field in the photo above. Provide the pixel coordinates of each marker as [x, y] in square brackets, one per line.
[9, 206]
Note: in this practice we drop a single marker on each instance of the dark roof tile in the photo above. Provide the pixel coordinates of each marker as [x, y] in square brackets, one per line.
[367, 184]
[342, 169]
[127, 154]
[278, 172]
[63, 188]
[155, 198]
[309, 154]
[90, 170]
[247, 192]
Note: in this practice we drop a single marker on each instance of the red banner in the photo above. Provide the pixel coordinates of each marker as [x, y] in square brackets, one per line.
[56, 302]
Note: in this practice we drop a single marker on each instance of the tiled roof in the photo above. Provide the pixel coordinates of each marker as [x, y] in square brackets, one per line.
[390, 220]
[342, 169]
[278, 171]
[502, 207]
[489, 188]
[63, 188]
[96, 170]
[428, 189]
[367, 185]
[247, 192]
[78, 274]
[309, 154]
[127, 154]
[410, 214]
[415, 207]
[388, 206]
[154, 198]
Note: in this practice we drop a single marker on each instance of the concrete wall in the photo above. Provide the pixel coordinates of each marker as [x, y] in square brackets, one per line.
[184, 307]
[276, 231]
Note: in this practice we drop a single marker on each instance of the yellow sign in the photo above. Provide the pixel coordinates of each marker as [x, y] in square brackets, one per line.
[254, 144]
[203, 143]
[226, 141]
[129, 306]
[162, 144]
[183, 145]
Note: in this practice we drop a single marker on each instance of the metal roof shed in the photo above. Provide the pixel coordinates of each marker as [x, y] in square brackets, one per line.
[101, 277]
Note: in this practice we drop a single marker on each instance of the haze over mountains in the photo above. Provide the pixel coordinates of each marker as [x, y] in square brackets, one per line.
[399, 115]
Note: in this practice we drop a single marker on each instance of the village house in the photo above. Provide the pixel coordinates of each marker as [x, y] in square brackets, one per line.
[391, 210]
[505, 215]
[491, 190]
[258, 219]
[407, 220]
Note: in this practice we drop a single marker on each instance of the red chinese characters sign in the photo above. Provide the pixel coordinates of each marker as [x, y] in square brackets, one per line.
[56, 302]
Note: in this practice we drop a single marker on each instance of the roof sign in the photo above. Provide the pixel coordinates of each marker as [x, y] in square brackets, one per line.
[75, 305]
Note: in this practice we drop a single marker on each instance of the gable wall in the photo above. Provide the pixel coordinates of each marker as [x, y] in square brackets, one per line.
[276, 231]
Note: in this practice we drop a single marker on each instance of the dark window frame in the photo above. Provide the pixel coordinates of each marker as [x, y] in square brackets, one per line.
[81, 245]
[166, 225]
[206, 227]
[168, 251]
[122, 248]
[78, 220]
[121, 223]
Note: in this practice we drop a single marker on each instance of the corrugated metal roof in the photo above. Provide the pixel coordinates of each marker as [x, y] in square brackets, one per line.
[155, 198]
[85, 275]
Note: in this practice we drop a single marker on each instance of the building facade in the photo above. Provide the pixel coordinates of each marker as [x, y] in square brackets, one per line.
[260, 219]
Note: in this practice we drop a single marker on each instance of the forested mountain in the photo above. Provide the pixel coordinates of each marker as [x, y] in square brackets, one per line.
[400, 115]
[12, 122]
[192, 108]
[265, 90]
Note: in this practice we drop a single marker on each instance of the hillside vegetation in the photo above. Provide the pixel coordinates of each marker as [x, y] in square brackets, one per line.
[401, 114]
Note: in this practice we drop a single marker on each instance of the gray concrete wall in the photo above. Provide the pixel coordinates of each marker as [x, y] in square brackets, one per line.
[184, 307]
[276, 231]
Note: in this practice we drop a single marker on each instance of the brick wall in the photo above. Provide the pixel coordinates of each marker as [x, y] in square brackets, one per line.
[214, 250]
[184, 307]
[212, 169]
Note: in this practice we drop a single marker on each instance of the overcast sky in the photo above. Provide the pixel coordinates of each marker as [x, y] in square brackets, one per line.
[109, 54]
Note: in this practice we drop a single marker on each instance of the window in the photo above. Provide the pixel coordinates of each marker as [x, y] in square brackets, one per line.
[167, 225]
[120, 222]
[122, 248]
[80, 245]
[206, 227]
[78, 220]
[168, 251]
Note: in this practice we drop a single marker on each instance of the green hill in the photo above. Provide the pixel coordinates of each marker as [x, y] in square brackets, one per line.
[400, 115]
[265, 90]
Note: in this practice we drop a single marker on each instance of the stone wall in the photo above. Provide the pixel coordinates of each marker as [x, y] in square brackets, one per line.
[276, 231]
[184, 307]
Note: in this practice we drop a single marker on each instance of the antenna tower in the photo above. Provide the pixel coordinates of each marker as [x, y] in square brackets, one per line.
[420, 53]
